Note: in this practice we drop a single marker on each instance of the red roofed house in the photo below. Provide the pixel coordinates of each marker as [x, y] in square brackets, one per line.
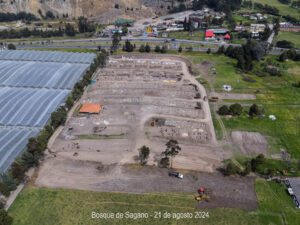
[227, 36]
[209, 35]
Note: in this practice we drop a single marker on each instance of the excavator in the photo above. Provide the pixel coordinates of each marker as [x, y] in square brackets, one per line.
[204, 194]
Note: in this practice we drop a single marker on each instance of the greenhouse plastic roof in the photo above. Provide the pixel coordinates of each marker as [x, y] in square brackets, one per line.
[47, 56]
[33, 84]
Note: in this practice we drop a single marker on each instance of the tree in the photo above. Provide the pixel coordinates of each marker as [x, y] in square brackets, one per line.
[157, 48]
[163, 49]
[236, 109]
[69, 102]
[180, 49]
[11, 46]
[70, 30]
[223, 110]
[59, 117]
[208, 51]
[124, 30]
[147, 48]
[83, 24]
[165, 162]
[143, 154]
[254, 110]
[142, 48]
[5, 219]
[221, 50]
[8, 180]
[283, 57]
[231, 169]
[284, 44]
[4, 190]
[116, 38]
[49, 15]
[258, 162]
[172, 149]
[247, 169]
[128, 47]
[17, 171]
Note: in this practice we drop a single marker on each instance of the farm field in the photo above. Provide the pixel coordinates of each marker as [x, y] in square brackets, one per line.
[32, 85]
[289, 36]
[75, 207]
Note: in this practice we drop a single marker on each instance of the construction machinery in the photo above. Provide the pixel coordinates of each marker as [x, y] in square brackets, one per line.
[204, 194]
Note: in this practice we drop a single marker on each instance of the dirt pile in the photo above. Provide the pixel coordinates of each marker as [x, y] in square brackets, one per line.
[250, 143]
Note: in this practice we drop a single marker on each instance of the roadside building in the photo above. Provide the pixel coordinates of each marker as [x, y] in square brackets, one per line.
[289, 27]
[257, 27]
[123, 22]
[209, 35]
[240, 28]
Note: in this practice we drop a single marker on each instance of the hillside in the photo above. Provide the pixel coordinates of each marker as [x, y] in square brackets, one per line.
[103, 9]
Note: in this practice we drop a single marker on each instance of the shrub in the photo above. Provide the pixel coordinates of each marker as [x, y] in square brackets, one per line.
[284, 44]
[4, 190]
[157, 48]
[231, 169]
[163, 49]
[254, 110]
[236, 109]
[164, 162]
[147, 48]
[11, 46]
[5, 219]
[223, 110]
[142, 48]
[257, 164]
[247, 169]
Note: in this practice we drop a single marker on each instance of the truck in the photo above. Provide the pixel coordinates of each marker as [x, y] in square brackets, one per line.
[175, 174]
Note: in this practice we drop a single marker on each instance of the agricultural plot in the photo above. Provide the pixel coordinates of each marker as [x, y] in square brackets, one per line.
[32, 85]
[40, 74]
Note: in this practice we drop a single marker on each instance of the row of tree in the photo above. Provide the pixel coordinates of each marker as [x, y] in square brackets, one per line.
[256, 164]
[36, 146]
[236, 110]
[245, 54]
[290, 54]
[7, 17]
[69, 30]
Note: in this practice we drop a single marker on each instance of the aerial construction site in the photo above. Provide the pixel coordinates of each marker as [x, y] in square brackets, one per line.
[141, 100]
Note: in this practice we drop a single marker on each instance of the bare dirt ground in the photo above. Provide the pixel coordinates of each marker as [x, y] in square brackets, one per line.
[232, 192]
[145, 100]
[233, 96]
[251, 143]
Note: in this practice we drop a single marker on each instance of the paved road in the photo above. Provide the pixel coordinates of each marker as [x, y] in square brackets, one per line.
[275, 51]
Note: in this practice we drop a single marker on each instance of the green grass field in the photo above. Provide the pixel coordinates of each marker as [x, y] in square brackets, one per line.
[283, 9]
[293, 37]
[36, 206]
[276, 95]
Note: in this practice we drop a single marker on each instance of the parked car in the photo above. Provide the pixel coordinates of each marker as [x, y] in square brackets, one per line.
[175, 174]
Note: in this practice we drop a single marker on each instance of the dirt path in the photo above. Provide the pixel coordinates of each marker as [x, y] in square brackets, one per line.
[205, 104]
